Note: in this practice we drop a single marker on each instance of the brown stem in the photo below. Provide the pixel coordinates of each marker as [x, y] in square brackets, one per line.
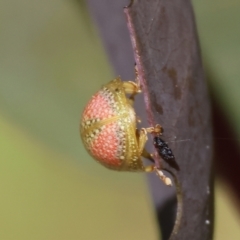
[167, 55]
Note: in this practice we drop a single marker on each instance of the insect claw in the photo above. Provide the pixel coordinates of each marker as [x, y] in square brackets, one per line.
[145, 130]
[161, 175]
[155, 130]
[149, 130]
[158, 129]
[168, 181]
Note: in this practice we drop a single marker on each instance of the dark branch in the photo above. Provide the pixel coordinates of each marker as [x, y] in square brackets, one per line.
[169, 65]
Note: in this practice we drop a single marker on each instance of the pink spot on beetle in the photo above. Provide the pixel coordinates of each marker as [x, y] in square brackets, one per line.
[98, 107]
[105, 145]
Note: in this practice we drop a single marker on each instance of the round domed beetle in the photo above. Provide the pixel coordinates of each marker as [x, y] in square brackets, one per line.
[108, 129]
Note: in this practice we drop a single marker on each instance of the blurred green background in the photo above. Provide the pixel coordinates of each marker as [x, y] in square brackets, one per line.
[51, 62]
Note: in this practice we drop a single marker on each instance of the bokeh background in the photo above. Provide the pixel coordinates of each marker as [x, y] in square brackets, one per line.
[51, 62]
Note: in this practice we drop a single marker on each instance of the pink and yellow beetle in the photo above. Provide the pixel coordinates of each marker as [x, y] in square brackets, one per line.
[109, 131]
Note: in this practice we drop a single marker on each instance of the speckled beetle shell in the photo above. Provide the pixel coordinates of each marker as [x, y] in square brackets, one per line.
[108, 129]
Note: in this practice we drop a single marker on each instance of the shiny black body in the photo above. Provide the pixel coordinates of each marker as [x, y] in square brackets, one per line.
[163, 150]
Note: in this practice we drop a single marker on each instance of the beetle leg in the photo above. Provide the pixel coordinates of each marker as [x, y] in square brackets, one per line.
[142, 139]
[157, 129]
[147, 155]
[160, 174]
[131, 88]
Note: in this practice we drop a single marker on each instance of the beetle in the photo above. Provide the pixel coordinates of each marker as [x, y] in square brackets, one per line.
[109, 131]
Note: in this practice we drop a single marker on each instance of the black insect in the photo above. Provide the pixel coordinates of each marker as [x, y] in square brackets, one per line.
[165, 152]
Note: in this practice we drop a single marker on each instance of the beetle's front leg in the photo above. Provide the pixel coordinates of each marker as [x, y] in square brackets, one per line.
[142, 139]
[157, 129]
[131, 87]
